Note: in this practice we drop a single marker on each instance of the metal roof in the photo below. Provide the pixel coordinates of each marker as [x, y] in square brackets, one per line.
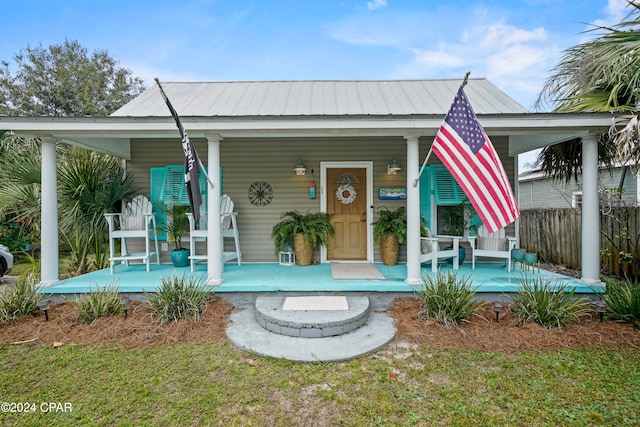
[318, 98]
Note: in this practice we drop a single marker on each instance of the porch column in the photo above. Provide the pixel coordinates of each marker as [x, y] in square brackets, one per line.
[214, 240]
[49, 213]
[413, 210]
[590, 210]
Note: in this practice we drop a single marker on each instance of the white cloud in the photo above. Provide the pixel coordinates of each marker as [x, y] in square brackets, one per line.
[376, 4]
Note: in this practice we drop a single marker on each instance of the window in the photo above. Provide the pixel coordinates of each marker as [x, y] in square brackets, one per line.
[576, 199]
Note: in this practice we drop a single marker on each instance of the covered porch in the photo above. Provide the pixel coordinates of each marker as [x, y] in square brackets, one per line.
[488, 278]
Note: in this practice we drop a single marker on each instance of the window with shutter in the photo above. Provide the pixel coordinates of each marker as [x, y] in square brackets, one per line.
[167, 188]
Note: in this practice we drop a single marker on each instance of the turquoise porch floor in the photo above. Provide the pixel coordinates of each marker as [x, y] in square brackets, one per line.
[271, 277]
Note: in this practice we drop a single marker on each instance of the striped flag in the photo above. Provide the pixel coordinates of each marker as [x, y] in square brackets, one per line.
[465, 149]
[191, 163]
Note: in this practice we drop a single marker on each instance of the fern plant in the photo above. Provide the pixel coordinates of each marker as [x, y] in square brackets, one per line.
[315, 228]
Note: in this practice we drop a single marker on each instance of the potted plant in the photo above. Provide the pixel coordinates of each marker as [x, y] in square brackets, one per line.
[177, 224]
[304, 232]
[390, 230]
[459, 224]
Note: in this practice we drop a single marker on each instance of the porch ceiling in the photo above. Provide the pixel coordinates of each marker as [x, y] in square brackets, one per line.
[112, 134]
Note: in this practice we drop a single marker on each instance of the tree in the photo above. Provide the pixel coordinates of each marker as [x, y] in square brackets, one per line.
[602, 74]
[64, 80]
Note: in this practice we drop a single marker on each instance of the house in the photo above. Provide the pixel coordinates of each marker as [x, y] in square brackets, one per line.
[538, 191]
[252, 134]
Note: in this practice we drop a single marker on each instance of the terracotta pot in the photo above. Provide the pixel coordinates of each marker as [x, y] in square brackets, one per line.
[389, 249]
[303, 251]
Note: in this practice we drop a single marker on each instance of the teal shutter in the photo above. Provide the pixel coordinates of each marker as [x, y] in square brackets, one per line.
[157, 178]
[425, 195]
[167, 188]
[446, 189]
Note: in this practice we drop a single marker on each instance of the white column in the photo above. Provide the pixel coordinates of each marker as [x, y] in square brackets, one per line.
[413, 211]
[49, 213]
[214, 240]
[590, 210]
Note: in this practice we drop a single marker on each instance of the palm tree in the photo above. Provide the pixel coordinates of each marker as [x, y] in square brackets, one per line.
[599, 75]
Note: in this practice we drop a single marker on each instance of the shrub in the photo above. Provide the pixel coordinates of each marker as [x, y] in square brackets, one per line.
[623, 300]
[178, 298]
[20, 299]
[550, 306]
[102, 302]
[447, 298]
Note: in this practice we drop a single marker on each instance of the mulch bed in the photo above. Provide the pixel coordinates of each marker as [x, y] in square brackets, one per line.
[140, 329]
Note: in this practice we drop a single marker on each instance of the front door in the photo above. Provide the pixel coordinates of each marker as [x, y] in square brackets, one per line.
[347, 203]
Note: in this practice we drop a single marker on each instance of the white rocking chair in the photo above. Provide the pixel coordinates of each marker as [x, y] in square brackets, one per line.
[229, 229]
[435, 248]
[491, 245]
[136, 221]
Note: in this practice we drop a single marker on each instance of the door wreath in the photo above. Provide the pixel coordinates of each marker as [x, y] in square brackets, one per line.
[351, 194]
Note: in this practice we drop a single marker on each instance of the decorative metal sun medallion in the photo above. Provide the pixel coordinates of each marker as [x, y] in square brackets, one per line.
[260, 193]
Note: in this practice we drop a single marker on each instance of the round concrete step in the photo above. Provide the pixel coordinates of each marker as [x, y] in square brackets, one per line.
[244, 332]
[272, 315]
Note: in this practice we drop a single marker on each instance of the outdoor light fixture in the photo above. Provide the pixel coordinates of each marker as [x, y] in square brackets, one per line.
[393, 167]
[300, 168]
[44, 305]
[498, 307]
[601, 308]
[124, 305]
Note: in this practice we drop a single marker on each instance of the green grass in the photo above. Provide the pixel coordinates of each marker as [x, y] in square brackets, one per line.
[186, 384]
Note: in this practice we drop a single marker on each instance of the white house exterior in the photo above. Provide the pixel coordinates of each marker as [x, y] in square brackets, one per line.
[255, 132]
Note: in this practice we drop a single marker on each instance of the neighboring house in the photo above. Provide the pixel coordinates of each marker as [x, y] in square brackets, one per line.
[538, 191]
[250, 135]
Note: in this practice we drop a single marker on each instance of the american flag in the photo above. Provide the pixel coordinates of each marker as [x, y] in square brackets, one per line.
[191, 163]
[465, 149]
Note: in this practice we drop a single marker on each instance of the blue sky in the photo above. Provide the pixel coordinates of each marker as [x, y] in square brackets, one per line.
[513, 43]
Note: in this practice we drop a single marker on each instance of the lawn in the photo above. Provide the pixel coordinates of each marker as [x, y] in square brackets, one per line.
[403, 385]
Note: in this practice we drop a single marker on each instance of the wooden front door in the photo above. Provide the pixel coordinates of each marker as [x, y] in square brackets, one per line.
[347, 203]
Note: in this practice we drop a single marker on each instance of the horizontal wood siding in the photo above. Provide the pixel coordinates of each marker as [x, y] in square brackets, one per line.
[245, 161]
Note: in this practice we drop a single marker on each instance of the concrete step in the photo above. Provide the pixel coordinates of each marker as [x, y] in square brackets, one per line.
[245, 333]
[311, 323]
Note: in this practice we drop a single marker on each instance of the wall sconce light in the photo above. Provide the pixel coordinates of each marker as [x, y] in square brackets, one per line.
[300, 168]
[393, 167]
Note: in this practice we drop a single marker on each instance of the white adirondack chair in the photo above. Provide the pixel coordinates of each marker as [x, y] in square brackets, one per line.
[229, 229]
[436, 248]
[491, 245]
[137, 221]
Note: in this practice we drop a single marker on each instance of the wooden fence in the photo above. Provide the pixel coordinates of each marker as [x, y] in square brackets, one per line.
[556, 236]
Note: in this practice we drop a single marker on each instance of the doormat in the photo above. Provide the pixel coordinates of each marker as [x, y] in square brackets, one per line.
[316, 303]
[355, 271]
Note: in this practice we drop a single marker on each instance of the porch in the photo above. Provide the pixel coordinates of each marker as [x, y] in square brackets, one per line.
[489, 278]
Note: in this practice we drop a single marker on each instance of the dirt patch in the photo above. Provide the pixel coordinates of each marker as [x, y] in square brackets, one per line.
[141, 329]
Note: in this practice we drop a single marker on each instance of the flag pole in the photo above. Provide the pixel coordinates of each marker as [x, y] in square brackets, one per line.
[426, 159]
[202, 169]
